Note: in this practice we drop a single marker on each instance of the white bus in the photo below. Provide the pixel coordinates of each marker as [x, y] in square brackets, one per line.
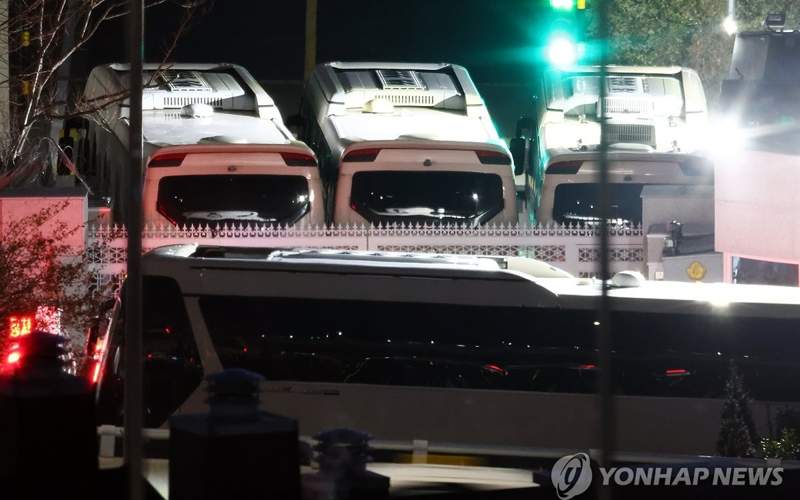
[657, 126]
[216, 148]
[454, 349]
[406, 143]
[661, 108]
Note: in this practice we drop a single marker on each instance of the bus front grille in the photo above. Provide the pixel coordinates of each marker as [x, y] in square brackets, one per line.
[632, 133]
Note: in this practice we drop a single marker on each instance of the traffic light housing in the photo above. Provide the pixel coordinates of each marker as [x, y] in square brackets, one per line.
[562, 4]
[567, 25]
[568, 5]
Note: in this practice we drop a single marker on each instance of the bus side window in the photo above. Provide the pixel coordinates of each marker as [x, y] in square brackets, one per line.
[172, 367]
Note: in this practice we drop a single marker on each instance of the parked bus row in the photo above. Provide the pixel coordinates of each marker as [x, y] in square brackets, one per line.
[391, 143]
[382, 143]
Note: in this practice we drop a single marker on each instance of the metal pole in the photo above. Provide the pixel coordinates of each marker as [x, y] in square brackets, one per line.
[133, 315]
[605, 389]
[311, 38]
[732, 9]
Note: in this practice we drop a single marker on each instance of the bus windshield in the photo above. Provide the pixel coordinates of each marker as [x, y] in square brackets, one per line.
[579, 203]
[427, 197]
[212, 199]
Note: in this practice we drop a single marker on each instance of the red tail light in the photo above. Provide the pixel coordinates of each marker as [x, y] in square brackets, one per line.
[676, 372]
[299, 160]
[497, 370]
[167, 160]
[493, 158]
[587, 366]
[362, 155]
[565, 167]
[96, 372]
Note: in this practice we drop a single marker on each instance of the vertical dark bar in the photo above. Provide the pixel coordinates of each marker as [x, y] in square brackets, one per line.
[133, 317]
[605, 389]
[311, 38]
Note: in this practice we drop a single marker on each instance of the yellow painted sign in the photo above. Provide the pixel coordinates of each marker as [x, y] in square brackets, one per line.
[696, 271]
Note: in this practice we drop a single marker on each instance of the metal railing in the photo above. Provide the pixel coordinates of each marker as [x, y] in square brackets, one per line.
[573, 248]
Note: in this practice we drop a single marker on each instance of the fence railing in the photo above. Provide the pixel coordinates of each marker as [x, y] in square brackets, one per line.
[574, 248]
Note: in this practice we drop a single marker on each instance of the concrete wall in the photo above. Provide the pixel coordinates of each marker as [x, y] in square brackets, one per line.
[19, 203]
[757, 202]
[685, 204]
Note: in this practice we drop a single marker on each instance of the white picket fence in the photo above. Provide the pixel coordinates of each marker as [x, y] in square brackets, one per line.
[570, 247]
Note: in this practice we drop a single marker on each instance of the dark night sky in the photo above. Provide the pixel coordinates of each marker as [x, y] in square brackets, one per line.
[487, 36]
[267, 37]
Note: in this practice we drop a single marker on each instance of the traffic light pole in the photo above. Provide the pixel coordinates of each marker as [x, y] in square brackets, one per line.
[134, 409]
[311, 38]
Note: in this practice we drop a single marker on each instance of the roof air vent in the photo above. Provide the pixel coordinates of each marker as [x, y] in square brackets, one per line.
[185, 81]
[197, 110]
[378, 105]
[394, 79]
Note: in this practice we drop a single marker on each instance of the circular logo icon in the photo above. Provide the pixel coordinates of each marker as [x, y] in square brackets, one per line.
[696, 271]
[571, 475]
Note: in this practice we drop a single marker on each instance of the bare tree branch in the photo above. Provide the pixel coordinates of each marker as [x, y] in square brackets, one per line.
[46, 25]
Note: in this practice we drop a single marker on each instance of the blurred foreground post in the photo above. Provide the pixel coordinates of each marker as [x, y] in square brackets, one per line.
[48, 434]
[134, 408]
[235, 450]
[605, 336]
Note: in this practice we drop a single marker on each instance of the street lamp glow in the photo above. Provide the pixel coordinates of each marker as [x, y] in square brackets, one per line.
[729, 25]
[562, 51]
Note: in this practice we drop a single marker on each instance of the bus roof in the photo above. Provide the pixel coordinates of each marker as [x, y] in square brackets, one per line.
[523, 289]
[615, 69]
[226, 86]
[168, 128]
[723, 299]
[592, 154]
[442, 85]
[413, 124]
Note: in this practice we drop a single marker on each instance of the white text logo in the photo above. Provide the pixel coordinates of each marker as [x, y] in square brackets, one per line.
[571, 475]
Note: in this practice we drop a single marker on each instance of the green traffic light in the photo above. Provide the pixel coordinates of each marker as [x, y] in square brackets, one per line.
[562, 51]
[562, 4]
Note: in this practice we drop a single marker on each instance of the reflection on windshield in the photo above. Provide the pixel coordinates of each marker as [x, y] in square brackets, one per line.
[580, 203]
[203, 199]
[426, 197]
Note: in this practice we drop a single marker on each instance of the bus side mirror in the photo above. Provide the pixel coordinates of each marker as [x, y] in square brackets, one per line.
[518, 147]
